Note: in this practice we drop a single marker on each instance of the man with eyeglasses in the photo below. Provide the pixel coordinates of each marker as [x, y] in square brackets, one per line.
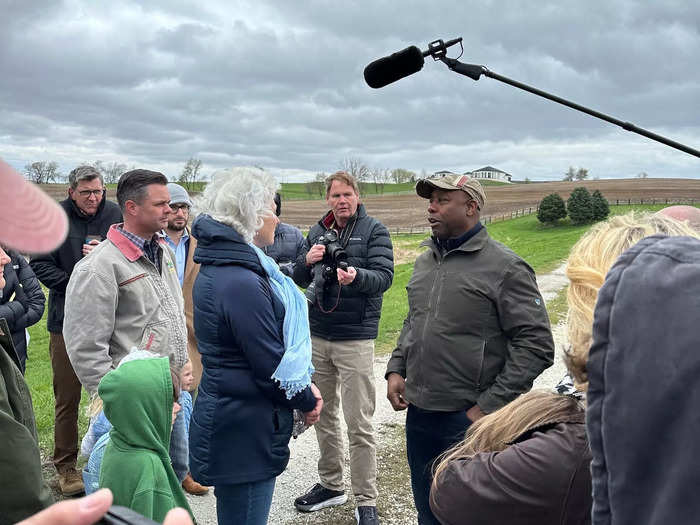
[181, 242]
[90, 215]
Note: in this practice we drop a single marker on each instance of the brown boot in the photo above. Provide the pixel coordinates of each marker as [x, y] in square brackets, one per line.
[192, 487]
[71, 482]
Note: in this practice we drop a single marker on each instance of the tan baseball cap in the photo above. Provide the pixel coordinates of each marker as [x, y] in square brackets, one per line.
[30, 220]
[469, 185]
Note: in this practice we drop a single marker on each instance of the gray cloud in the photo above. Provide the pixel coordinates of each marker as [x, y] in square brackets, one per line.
[280, 85]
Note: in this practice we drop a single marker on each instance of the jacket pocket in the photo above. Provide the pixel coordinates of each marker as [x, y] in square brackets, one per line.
[155, 338]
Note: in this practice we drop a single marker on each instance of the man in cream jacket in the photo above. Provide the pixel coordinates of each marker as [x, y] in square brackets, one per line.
[126, 292]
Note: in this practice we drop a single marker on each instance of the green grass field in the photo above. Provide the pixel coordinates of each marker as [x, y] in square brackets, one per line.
[543, 247]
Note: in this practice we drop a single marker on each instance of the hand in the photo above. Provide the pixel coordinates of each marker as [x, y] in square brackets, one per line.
[345, 278]
[475, 413]
[87, 248]
[88, 510]
[315, 254]
[395, 387]
[312, 417]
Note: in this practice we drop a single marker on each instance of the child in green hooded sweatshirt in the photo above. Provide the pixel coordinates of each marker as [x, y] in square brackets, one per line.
[138, 400]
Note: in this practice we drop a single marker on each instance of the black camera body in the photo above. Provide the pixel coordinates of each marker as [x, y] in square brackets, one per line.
[324, 271]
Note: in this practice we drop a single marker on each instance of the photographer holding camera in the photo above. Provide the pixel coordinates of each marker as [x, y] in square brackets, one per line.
[347, 266]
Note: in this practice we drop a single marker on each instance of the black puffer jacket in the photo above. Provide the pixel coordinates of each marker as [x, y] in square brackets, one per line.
[54, 269]
[21, 301]
[370, 252]
[643, 388]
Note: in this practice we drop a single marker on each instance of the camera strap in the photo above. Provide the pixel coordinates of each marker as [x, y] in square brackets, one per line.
[345, 233]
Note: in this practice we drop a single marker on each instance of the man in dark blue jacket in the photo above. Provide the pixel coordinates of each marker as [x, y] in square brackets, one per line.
[344, 317]
[90, 215]
[289, 243]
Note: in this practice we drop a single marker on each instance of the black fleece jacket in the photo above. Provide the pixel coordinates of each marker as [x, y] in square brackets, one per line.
[360, 304]
[54, 269]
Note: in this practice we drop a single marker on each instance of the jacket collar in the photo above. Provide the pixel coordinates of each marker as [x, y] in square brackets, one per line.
[219, 244]
[328, 219]
[77, 212]
[124, 244]
[578, 417]
[473, 244]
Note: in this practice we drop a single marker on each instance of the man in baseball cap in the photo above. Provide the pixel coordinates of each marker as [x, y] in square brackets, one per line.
[30, 221]
[469, 185]
[477, 332]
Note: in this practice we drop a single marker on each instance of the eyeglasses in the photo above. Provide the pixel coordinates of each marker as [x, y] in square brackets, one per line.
[177, 207]
[87, 193]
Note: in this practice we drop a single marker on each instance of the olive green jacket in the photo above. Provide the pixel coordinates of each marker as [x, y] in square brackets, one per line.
[23, 491]
[477, 329]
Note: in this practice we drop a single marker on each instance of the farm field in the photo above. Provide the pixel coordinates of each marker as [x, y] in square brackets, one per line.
[409, 211]
[405, 210]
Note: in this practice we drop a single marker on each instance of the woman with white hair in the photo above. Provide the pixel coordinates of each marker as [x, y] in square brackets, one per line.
[252, 330]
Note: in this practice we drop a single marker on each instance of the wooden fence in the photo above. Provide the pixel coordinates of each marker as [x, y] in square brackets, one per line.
[490, 219]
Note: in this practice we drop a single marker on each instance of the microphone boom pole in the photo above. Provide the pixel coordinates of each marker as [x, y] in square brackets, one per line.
[474, 72]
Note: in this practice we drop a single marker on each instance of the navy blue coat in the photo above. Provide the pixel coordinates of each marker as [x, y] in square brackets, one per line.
[242, 420]
[21, 301]
[289, 245]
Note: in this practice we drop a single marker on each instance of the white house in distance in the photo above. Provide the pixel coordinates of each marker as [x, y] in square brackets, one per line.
[490, 173]
[486, 173]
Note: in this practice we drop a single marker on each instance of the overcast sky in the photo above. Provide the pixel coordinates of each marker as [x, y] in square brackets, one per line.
[280, 85]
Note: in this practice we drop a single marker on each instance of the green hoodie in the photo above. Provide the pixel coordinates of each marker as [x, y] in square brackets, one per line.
[138, 400]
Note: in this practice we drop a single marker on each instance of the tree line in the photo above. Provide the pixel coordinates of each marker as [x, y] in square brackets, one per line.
[47, 172]
[581, 207]
[365, 175]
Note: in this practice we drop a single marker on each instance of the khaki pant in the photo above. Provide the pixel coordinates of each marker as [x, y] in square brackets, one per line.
[66, 390]
[345, 373]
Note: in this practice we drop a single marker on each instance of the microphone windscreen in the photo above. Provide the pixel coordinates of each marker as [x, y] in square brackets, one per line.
[394, 67]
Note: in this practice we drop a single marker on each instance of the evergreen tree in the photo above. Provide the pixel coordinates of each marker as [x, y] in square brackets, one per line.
[601, 209]
[580, 206]
[552, 208]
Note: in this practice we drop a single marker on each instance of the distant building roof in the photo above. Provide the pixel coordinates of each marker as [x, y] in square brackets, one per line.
[489, 168]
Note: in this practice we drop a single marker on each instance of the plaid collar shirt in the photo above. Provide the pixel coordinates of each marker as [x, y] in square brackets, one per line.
[149, 247]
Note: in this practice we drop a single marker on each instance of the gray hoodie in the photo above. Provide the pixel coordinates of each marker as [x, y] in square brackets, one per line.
[643, 415]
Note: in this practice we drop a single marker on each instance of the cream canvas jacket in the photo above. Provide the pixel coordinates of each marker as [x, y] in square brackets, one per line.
[116, 300]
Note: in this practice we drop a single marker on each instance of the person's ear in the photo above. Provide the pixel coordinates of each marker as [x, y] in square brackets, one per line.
[472, 208]
[131, 207]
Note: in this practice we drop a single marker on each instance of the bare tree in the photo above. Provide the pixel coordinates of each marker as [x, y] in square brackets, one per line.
[570, 174]
[319, 183]
[111, 172]
[380, 176]
[190, 175]
[400, 175]
[581, 174]
[42, 172]
[573, 174]
[357, 168]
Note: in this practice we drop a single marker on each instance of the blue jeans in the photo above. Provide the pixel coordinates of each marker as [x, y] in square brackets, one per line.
[244, 503]
[429, 434]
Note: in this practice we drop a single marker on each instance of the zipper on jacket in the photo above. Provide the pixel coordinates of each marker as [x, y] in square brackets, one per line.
[425, 324]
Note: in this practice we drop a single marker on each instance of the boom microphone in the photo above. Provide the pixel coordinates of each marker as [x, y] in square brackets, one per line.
[389, 69]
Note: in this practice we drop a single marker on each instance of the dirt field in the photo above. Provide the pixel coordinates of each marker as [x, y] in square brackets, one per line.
[409, 211]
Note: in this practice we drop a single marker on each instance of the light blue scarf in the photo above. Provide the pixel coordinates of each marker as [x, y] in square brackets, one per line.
[295, 369]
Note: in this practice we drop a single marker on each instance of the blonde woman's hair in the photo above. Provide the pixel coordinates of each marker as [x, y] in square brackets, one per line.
[589, 261]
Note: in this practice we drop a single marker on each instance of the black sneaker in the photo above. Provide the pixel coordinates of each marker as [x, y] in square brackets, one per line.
[319, 497]
[366, 515]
